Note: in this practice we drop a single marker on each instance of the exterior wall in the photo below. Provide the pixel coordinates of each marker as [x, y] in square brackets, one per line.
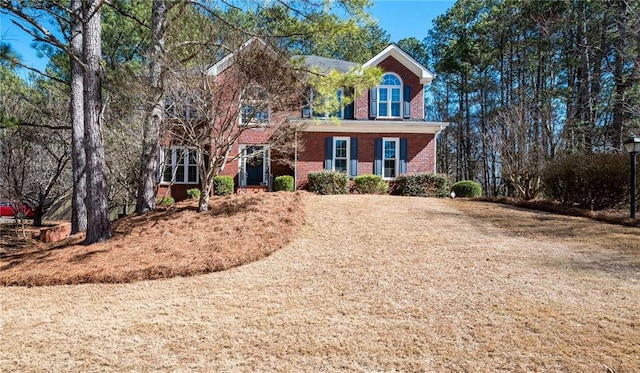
[390, 64]
[177, 191]
[420, 154]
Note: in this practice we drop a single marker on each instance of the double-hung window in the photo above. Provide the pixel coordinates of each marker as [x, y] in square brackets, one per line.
[390, 157]
[255, 107]
[390, 96]
[341, 154]
[179, 165]
[254, 113]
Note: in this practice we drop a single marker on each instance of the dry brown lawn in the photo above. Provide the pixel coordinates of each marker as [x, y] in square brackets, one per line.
[370, 283]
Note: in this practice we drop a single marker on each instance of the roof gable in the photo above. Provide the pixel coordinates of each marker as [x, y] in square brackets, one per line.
[228, 60]
[425, 75]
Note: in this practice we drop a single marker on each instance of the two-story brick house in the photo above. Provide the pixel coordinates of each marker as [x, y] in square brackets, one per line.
[383, 131]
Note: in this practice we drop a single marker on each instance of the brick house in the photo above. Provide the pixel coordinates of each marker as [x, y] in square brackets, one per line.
[381, 132]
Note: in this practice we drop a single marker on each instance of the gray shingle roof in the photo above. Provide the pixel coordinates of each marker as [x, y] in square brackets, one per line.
[325, 64]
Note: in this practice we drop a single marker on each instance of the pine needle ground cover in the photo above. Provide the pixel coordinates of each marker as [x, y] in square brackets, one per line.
[369, 283]
[168, 242]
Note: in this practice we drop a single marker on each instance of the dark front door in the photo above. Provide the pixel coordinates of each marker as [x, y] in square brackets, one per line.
[255, 165]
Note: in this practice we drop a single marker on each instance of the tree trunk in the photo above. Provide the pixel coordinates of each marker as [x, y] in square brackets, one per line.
[78, 209]
[98, 225]
[146, 199]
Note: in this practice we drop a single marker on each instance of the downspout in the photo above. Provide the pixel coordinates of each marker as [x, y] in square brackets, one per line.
[295, 159]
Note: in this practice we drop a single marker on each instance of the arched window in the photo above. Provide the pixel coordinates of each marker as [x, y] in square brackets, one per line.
[390, 96]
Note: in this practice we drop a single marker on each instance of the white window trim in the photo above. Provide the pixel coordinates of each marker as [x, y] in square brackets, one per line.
[174, 164]
[389, 95]
[348, 155]
[397, 159]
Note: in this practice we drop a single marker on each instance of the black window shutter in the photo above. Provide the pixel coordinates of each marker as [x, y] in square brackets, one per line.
[373, 102]
[328, 153]
[407, 101]
[377, 164]
[348, 109]
[403, 155]
[353, 157]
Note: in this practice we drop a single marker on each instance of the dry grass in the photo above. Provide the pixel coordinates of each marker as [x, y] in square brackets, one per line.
[175, 241]
[370, 284]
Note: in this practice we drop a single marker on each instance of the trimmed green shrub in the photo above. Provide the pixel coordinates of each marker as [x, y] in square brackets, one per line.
[165, 201]
[328, 182]
[222, 185]
[588, 181]
[193, 193]
[370, 184]
[284, 182]
[421, 185]
[467, 188]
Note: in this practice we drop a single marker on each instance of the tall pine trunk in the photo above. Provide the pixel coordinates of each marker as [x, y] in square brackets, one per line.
[146, 199]
[98, 225]
[76, 107]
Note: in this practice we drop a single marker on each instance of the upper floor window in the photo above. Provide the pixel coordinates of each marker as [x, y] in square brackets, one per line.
[254, 109]
[390, 96]
[318, 107]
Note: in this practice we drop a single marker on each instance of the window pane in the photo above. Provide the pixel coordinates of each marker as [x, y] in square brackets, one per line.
[395, 109]
[341, 165]
[180, 153]
[167, 173]
[341, 148]
[389, 168]
[395, 95]
[390, 149]
[383, 94]
[193, 157]
[382, 109]
[193, 174]
[180, 174]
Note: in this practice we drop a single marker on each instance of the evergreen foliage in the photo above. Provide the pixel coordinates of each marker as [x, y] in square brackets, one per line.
[284, 182]
[328, 182]
[222, 185]
[467, 188]
[421, 185]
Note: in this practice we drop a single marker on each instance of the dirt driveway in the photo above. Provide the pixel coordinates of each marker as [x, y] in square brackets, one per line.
[372, 283]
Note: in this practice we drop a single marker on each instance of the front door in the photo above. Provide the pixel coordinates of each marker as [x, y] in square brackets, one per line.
[254, 165]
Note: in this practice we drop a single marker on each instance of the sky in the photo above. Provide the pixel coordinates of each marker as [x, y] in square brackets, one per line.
[400, 18]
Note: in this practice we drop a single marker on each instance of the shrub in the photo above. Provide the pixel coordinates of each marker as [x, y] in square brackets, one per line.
[421, 185]
[589, 181]
[165, 201]
[370, 184]
[284, 182]
[467, 188]
[222, 185]
[193, 193]
[328, 182]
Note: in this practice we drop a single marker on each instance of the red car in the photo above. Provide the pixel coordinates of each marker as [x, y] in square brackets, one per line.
[8, 209]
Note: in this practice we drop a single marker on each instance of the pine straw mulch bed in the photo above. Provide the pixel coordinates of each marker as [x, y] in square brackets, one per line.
[613, 216]
[168, 242]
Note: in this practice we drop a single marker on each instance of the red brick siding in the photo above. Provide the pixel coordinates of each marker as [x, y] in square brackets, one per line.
[390, 64]
[177, 191]
[420, 155]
